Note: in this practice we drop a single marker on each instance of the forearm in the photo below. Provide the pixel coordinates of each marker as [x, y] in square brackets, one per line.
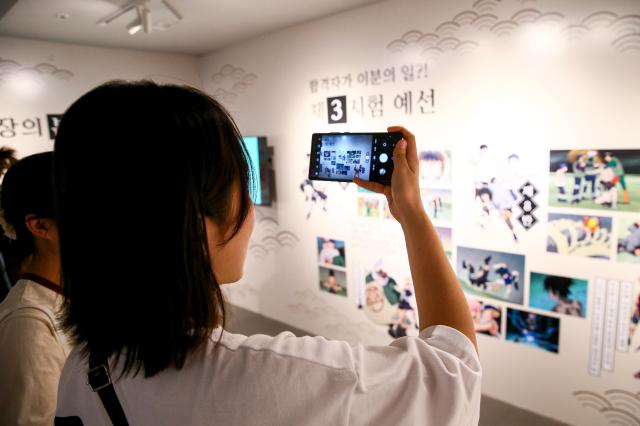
[439, 297]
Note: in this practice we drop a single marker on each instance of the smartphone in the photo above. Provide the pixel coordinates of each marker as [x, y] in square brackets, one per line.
[340, 157]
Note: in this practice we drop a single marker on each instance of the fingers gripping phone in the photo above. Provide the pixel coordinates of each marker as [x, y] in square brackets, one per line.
[340, 157]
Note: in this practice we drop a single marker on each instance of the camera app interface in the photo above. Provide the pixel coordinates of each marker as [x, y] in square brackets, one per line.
[344, 157]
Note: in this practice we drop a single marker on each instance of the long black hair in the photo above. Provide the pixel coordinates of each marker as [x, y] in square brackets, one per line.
[137, 168]
[27, 188]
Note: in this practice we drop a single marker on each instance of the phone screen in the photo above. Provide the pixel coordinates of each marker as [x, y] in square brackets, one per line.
[343, 156]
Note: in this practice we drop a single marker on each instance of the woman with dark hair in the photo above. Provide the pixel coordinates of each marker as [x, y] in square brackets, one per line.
[147, 243]
[32, 348]
[7, 159]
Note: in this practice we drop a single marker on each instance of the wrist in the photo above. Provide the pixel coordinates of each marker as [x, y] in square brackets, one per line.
[413, 217]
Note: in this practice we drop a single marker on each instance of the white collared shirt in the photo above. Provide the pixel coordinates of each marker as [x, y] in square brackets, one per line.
[433, 379]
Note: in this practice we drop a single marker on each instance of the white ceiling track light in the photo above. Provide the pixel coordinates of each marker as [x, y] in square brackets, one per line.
[143, 15]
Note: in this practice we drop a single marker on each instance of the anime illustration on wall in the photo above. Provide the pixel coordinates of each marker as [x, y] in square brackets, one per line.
[588, 236]
[389, 302]
[628, 240]
[531, 329]
[315, 192]
[558, 294]
[595, 179]
[498, 175]
[491, 274]
[333, 281]
[332, 265]
[487, 318]
[435, 183]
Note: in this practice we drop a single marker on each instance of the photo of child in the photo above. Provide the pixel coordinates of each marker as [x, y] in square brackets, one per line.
[628, 240]
[333, 281]
[562, 295]
[595, 179]
[531, 329]
[331, 252]
[491, 274]
[487, 318]
[588, 236]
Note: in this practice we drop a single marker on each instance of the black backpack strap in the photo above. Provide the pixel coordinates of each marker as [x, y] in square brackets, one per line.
[99, 378]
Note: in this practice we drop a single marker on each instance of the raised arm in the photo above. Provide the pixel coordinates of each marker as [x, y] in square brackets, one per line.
[439, 297]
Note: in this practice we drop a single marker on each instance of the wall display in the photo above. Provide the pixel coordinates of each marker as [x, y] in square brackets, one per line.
[501, 181]
[260, 190]
[333, 281]
[435, 168]
[613, 406]
[487, 317]
[558, 294]
[491, 274]
[628, 239]
[331, 252]
[531, 329]
[438, 204]
[229, 82]
[588, 236]
[315, 192]
[331, 256]
[388, 301]
[32, 126]
[595, 179]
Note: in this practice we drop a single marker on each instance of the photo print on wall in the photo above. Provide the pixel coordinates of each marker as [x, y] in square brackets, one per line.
[561, 295]
[595, 179]
[333, 281]
[314, 191]
[332, 265]
[503, 193]
[491, 274]
[388, 302]
[435, 184]
[628, 239]
[487, 317]
[588, 236]
[531, 329]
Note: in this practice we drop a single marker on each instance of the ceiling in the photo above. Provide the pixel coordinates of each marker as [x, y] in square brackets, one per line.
[207, 24]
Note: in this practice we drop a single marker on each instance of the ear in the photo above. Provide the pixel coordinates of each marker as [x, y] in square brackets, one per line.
[39, 227]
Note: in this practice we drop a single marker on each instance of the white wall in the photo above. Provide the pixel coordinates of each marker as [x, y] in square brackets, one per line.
[522, 88]
[39, 78]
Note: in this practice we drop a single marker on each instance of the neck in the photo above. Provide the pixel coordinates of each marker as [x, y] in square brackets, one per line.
[47, 267]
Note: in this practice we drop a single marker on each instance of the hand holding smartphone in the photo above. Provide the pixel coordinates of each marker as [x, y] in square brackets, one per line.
[340, 157]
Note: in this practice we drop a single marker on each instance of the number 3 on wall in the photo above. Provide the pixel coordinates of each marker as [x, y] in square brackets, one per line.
[337, 109]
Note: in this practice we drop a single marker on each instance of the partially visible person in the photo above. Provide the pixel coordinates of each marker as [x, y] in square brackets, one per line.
[32, 348]
[7, 159]
[148, 328]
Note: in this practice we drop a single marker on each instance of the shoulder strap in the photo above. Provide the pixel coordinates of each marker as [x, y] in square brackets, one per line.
[99, 378]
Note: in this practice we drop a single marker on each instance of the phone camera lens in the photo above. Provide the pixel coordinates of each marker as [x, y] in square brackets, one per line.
[384, 158]
[382, 172]
[384, 144]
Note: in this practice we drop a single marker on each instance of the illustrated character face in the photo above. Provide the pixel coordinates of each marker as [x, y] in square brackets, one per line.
[375, 298]
[328, 244]
[607, 157]
[431, 168]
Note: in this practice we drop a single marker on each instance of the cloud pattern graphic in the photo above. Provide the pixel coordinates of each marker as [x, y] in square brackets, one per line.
[268, 237]
[10, 68]
[617, 406]
[484, 18]
[229, 82]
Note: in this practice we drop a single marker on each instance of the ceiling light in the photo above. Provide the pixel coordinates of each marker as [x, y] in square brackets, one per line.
[143, 20]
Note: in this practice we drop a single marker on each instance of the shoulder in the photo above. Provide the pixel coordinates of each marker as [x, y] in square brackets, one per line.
[307, 349]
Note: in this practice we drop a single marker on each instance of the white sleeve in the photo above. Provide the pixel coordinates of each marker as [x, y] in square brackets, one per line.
[433, 379]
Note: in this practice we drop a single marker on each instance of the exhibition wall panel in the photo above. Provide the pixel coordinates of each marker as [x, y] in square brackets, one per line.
[525, 114]
[39, 81]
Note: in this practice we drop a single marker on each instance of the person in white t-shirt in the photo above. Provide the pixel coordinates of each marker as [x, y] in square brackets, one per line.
[146, 244]
[32, 348]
